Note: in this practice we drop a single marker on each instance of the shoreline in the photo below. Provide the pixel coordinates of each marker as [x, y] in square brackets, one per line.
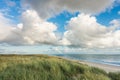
[108, 68]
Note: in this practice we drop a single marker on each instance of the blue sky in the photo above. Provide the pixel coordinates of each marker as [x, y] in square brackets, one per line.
[60, 19]
[105, 17]
[30, 23]
[14, 11]
[11, 9]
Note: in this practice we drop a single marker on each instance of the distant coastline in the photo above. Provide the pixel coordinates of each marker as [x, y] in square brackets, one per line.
[108, 59]
[106, 67]
[44, 67]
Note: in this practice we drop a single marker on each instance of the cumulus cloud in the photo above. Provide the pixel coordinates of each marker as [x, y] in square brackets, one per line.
[9, 33]
[32, 30]
[5, 27]
[36, 30]
[85, 31]
[47, 8]
[82, 31]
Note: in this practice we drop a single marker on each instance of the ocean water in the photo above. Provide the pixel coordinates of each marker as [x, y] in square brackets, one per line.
[111, 59]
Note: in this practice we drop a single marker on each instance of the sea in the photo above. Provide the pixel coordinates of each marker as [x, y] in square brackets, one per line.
[110, 56]
[110, 59]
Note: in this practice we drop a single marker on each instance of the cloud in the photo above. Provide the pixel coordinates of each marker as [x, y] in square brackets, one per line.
[115, 24]
[85, 31]
[118, 12]
[5, 27]
[9, 32]
[118, 1]
[36, 30]
[32, 30]
[47, 8]
[82, 31]
[10, 3]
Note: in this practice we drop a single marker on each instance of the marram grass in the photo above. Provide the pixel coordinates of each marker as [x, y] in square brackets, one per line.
[43, 67]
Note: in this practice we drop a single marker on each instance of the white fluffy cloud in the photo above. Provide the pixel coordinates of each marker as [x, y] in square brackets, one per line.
[9, 33]
[82, 31]
[36, 30]
[5, 27]
[85, 31]
[47, 8]
[32, 30]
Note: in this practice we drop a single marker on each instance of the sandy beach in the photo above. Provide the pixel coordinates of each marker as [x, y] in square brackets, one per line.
[106, 67]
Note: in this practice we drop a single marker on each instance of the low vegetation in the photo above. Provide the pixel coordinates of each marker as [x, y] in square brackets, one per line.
[43, 67]
[114, 76]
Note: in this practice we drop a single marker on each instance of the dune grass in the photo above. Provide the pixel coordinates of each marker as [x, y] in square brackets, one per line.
[43, 67]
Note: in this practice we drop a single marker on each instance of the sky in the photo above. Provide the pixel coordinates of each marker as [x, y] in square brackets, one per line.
[59, 26]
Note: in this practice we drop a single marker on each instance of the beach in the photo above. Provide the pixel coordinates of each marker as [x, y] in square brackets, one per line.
[107, 62]
[106, 67]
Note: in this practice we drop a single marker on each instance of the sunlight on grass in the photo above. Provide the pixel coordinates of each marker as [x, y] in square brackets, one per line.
[43, 67]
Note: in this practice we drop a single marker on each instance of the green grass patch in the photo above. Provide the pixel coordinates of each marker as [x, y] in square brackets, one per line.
[43, 67]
